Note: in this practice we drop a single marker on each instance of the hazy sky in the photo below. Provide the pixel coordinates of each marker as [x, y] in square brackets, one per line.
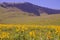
[55, 4]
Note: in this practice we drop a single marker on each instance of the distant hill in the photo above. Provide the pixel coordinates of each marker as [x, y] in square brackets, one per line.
[28, 13]
[30, 8]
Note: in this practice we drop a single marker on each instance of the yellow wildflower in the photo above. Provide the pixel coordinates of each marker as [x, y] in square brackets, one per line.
[32, 34]
[4, 35]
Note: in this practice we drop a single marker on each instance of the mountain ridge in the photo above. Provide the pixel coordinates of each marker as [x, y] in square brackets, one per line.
[30, 8]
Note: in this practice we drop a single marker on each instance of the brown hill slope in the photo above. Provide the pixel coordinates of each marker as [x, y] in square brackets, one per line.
[10, 14]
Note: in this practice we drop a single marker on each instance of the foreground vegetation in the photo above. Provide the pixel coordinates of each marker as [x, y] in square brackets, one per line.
[29, 32]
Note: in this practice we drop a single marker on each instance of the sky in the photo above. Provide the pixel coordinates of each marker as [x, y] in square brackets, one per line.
[54, 4]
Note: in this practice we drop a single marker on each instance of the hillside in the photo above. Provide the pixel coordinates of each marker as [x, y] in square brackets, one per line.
[27, 13]
[30, 8]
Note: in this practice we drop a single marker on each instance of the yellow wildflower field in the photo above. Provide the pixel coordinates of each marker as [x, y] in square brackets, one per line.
[29, 32]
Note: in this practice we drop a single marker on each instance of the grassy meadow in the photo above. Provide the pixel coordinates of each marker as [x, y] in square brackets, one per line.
[18, 25]
[41, 20]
